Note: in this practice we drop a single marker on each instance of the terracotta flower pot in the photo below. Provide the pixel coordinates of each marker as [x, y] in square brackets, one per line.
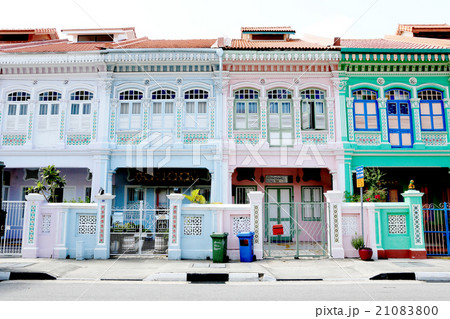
[365, 253]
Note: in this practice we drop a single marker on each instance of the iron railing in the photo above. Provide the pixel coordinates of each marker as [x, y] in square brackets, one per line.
[303, 232]
[436, 226]
[139, 230]
[11, 230]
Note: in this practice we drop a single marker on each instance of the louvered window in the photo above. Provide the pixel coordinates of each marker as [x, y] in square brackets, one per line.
[196, 114]
[163, 110]
[48, 114]
[17, 118]
[130, 111]
[80, 110]
[431, 110]
[313, 109]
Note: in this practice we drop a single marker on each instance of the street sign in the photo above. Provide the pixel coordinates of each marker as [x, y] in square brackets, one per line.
[360, 176]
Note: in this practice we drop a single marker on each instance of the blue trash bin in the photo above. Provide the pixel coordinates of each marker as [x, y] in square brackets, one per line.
[246, 246]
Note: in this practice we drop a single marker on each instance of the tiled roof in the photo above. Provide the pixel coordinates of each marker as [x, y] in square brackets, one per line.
[391, 43]
[267, 29]
[141, 43]
[288, 44]
[145, 43]
[422, 27]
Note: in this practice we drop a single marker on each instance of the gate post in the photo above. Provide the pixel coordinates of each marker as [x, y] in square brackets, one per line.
[256, 222]
[174, 251]
[335, 245]
[29, 236]
[414, 199]
[101, 250]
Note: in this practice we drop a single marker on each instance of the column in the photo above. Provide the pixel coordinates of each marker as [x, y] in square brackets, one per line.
[60, 250]
[257, 222]
[179, 112]
[174, 252]
[99, 171]
[32, 105]
[263, 105]
[334, 201]
[298, 119]
[331, 120]
[414, 200]
[30, 245]
[103, 126]
[62, 123]
[447, 110]
[351, 130]
[2, 115]
[383, 121]
[417, 129]
[101, 250]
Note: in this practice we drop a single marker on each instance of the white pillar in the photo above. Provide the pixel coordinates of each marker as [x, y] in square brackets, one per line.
[30, 240]
[334, 200]
[101, 250]
[60, 250]
[174, 251]
[256, 222]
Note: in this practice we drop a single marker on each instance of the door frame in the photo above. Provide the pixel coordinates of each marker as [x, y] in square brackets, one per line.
[269, 237]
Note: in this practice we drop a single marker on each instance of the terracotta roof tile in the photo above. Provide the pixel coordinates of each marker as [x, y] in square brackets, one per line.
[64, 46]
[268, 29]
[422, 27]
[160, 44]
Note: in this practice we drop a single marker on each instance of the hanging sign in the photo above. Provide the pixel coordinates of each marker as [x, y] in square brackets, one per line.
[277, 179]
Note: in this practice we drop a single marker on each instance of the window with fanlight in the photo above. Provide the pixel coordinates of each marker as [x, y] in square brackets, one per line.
[48, 112]
[365, 110]
[246, 109]
[163, 110]
[431, 110]
[130, 113]
[313, 109]
[196, 111]
[17, 111]
[80, 110]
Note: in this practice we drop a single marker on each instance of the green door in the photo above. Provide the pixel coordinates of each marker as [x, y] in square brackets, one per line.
[279, 212]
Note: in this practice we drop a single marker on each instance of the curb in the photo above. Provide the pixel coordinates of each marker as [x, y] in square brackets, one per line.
[421, 276]
[210, 277]
[25, 276]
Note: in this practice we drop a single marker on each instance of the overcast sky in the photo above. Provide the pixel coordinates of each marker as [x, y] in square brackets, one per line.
[207, 19]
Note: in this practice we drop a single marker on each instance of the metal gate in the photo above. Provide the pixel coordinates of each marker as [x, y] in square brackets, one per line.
[11, 228]
[436, 228]
[139, 230]
[295, 230]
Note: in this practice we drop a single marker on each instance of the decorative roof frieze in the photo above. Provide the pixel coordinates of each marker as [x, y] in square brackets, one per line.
[235, 56]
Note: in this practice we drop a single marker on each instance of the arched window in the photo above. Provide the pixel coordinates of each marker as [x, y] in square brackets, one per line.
[399, 118]
[80, 110]
[16, 118]
[48, 111]
[280, 115]
[246, 109]
[313, 109]
[196, 112]
[130, 110]
[365, 110]
[162, 116]
[431, 110]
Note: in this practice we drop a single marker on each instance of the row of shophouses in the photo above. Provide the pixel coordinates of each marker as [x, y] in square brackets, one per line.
[141, 119]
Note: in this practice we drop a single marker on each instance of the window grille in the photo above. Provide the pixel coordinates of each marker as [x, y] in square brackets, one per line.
[87, 224]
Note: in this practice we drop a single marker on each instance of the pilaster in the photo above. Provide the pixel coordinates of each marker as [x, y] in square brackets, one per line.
[334, 201]
[256, 222]
[104, 201]
[174, 252]
[413, 199]
[30, 240]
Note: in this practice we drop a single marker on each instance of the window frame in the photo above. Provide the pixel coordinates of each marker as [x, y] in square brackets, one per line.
[431, 115]
[312, 102]
[195, 114]
[163, 96]
[286, 96]
[312, 218]
[130, 98]
[365, 114]
[19, 120]
[246, 102]
[48, 101]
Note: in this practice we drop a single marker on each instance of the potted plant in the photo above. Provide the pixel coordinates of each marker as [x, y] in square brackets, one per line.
[365, 253]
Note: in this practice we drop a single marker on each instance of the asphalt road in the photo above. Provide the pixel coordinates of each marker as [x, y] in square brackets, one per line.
[68, 290]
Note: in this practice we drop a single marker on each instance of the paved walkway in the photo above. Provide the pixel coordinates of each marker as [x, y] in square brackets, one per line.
[159, 268]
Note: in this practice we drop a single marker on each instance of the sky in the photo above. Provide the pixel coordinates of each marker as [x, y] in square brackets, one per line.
[210, 19]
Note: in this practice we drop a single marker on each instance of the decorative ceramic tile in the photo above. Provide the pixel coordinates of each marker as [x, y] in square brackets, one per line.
[367, 139]
[417, 125]
[246, 138]
[433, 139]
[264, 122]
[336, 223]
[298, 126]
[230, 123]
[384, 130]
[129, 139]
[195, 138]
[351, 131]
[30, 125]
[397, 224]
[314, 138]
[32, 224]
[76, 140]
[417, 221]
[331, 123]
[14, 140]
[94, 126]
[174, 224]
[112, 125]
[212, 116]
[256, 218]
[101, 239]
[61, 125]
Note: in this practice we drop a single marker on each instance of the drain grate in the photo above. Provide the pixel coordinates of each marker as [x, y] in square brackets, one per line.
[195, 277]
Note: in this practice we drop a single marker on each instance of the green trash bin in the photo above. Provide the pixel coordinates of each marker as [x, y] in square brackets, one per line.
[219, 245]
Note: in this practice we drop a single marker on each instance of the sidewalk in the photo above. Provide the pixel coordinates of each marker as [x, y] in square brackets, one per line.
[161, 269]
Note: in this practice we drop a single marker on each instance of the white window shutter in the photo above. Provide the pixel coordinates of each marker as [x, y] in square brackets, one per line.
[11, 122]
[202, 120]
[136, 121]
[320, 122]
[42, 122]
[253, 121]
[240, 121]
[85, 122]
[306, 114]
[123, 121]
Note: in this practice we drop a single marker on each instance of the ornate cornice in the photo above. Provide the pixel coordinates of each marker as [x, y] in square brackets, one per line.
[230, 56]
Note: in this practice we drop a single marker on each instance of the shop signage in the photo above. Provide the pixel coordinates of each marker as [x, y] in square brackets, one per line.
[276, 179]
